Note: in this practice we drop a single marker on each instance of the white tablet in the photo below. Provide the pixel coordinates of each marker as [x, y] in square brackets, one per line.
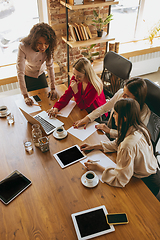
[69, 156]
[12, 186]
[91, 223]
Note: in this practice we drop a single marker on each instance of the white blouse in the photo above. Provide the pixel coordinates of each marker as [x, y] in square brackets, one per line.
[145, 112]
[33, 64]
[134, 158]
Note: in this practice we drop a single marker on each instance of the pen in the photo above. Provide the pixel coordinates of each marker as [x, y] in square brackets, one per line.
[94, 161]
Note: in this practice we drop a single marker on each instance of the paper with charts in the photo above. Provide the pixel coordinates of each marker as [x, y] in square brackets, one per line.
[64, 112]
[82, 133]
[104, 161]
[29, 109]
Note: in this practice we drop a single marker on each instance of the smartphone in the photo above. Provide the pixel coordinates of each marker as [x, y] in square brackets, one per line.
[117, 218]
[37, 98]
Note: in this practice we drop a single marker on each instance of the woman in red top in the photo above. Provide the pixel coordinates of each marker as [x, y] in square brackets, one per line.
[86, 88]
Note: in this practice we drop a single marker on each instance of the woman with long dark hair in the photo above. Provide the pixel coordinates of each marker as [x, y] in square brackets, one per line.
[134, 149]
[34, 55]
[135, 88]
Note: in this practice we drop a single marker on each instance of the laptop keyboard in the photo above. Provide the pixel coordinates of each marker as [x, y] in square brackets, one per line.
[48, 127]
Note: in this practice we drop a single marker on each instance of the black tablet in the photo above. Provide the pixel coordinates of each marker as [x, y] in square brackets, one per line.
[91, 223]
[12, 186]
[69, 156]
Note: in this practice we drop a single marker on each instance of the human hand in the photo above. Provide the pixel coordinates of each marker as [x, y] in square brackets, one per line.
[52, 112]
[83, 122]
[52, 95]
[74, 86]
[93, 166]
[28, 101]
[86, 147]
[103, 127]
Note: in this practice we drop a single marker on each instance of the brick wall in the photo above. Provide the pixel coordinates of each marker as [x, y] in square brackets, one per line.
[57, 19]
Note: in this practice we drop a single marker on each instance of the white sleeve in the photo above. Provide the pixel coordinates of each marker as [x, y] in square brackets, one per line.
[106, 107]
[121, 175]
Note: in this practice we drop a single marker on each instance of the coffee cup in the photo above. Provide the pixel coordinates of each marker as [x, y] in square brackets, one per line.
[3, 110]
[60, 131]
[90, 176]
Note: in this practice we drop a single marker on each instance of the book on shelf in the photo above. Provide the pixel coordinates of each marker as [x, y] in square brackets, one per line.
[83, 33]
[77, 32]
[80, 31]
[85, 30]
[88, 30]
[72, 31]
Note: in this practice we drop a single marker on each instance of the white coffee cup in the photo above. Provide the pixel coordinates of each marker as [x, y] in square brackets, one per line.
[3, 110]
[60, 131]
[90, 176]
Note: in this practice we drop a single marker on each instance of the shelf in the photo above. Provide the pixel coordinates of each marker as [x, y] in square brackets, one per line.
[94, 40]
[88, 4]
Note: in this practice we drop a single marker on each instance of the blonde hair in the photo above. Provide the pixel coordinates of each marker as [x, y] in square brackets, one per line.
[84, 66]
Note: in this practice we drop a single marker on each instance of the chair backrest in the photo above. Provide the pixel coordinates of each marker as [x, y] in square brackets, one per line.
[153, 96]
[153, 102]
[118, 65]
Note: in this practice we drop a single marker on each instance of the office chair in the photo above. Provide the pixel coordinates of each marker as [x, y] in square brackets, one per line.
[153, 102]
[116, 70]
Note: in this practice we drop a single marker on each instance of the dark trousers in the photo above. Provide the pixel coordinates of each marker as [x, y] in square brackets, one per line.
[36, 83]
[153, 182]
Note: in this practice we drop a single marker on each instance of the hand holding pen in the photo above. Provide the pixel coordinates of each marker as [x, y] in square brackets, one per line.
[94, 166]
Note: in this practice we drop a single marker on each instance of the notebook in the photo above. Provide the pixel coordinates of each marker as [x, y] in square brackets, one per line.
[47, 124]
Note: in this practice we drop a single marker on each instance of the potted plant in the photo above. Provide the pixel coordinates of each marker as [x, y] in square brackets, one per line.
[154, 32]
[99, 23]
[88, 53]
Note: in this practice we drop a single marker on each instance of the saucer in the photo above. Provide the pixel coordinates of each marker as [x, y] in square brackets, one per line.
[5, 115]
[87, 184]
[58, 137]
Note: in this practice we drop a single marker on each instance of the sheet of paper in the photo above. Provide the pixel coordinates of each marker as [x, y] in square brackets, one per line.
[104, 161]
[29, 109]
[67, 109]
[82, 133]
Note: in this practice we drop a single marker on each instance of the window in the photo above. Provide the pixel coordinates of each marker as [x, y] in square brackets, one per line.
[16, 19]
[133, 19]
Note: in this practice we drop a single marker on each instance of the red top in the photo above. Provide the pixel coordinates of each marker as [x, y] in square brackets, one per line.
[89, 100]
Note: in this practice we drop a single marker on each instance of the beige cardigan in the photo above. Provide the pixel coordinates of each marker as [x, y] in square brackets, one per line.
[145, 112]
[134, 158]
[32, 64]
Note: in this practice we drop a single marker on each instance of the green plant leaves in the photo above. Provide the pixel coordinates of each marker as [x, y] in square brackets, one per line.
[99, 22]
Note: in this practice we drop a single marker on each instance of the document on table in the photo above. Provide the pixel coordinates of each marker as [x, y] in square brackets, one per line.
[29, 109]
[104, 161]
[64, 112]
[82, 133]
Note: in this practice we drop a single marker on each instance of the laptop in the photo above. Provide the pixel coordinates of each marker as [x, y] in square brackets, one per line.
[47, 124]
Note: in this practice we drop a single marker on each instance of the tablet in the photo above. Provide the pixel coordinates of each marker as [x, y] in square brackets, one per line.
[12, 186]
[69, 156]
[91, 223]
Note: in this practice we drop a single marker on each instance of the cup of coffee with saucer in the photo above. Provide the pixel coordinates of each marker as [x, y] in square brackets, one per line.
[89, 179]
[4, 111]
[60, 133]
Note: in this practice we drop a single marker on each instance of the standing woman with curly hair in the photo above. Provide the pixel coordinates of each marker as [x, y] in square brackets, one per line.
[34, 55]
